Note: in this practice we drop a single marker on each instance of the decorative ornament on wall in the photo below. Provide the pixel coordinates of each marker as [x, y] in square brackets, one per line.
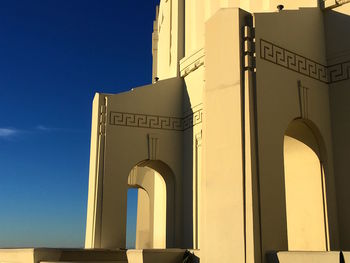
[139, 120]
[303, 65]
[153, 146]
[303, 93]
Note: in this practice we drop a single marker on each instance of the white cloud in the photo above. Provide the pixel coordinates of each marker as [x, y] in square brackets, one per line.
[44, 128]
[7, 132]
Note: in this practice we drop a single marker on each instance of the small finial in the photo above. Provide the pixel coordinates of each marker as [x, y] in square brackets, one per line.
[280, 8]
[156, 79]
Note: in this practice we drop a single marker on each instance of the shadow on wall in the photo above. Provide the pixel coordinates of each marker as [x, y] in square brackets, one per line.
[190, 199]
[338, 56]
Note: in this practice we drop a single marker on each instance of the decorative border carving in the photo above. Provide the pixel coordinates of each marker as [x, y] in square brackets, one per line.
[302, 65]
[192, 67]
[155, 121]
[292, 61]
[339, 72]
[192, 62]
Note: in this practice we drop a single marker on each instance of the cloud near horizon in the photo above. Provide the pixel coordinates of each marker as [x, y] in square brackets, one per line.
[44, 128]
[7, 132]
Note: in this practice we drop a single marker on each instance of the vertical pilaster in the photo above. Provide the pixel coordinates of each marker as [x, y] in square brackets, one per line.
[98, 129]
[223, 238]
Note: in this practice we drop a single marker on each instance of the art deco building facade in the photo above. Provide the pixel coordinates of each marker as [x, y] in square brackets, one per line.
[240, 146]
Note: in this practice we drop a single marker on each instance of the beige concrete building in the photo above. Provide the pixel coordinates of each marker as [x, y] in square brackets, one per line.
[239, 148]
[246, 124]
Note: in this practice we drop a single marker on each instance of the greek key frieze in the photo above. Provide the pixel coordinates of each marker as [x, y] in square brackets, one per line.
[155, 121]
[302, 65]
[292, 61]
[339, 72]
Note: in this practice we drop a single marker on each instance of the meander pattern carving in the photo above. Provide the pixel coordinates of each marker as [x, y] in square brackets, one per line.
[155, 121]
[339, 72]
[305, 66]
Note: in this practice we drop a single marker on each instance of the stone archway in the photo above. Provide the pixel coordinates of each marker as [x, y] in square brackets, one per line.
[154, 226]
[306, 212]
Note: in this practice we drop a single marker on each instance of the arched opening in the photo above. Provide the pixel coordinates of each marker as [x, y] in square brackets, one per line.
[307, 225]
[151, 212]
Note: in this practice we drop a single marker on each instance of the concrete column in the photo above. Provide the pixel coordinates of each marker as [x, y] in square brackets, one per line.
[222, 237]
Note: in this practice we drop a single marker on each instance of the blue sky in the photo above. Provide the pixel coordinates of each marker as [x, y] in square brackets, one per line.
[54, 55]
